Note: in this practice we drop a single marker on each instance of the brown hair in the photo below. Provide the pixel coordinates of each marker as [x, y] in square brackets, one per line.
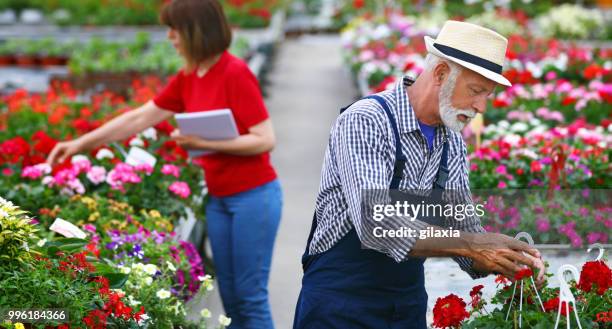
[202, 27]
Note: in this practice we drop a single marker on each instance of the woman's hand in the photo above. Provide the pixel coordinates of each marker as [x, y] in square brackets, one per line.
[63, 151]
[188, 142]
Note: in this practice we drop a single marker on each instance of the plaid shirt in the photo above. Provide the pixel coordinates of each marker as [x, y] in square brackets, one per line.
[360, 155]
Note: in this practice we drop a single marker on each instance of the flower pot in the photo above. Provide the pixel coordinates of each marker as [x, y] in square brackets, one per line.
[26, 60]
[52, 61]
[6, 60]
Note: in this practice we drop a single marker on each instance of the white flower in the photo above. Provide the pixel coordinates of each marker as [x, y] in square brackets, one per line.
[125, 270]
[3, 213]
[170, 266]
[148, 280]
[150, 133]
[47, 180]
[150, 269]
[204, 278]
[78, 158]
[224, 320]
[40, 243]
[119, 292]
[104, 154]
[163, 294]
[143, 319]
[136, 142]
[133, 301]
[519, 127]
[205, 313]
[138, 266]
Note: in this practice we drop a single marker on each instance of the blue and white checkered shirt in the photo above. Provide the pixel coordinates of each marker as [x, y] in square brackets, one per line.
[360, 155]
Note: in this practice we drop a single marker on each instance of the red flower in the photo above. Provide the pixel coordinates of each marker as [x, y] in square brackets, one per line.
[524, 273]
[598, 273]
[568, 101]
[96, 319]
[476, 293]
[536, 166]
[14, 149]
[449, 312]
[592, 71]
[44, 143]
[261, 12]
[520, 171]
[358, 4]
[553, 305]
[500, 279]
[498, 102]
[165, 127]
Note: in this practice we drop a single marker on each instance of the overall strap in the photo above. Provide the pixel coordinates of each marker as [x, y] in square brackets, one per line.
[442, 175]
[400, 159]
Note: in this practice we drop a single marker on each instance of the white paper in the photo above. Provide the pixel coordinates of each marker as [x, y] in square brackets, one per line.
[67, 229]
[138, 156]
[211, 125]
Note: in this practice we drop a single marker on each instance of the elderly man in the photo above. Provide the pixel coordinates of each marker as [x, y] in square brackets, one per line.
[362, 272]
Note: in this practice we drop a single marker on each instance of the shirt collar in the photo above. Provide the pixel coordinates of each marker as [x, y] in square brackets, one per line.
[407, 121]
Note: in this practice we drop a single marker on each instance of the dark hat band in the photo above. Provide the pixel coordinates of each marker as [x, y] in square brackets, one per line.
[456, 53]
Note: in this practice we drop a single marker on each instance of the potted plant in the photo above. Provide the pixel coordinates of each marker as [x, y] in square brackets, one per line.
[52, 52]
[27, 53]
[7, 52]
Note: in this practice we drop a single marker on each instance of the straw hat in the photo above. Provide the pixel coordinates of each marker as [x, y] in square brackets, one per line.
[474, 47]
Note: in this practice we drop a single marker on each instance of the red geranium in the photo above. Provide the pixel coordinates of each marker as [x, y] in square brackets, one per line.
[476, 293]
[553, 305]
[500, 279]
[524, 273]
[43, 142]
[598, 273]
[449, 312]
[14, 149]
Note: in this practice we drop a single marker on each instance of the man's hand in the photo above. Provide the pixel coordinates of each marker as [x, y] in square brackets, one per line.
[63, 151]
[188, 142]
[498, 253]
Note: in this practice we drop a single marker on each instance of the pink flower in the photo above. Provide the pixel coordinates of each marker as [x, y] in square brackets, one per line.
[502, 184]
[145, 168]
[542, 225]
[501, 169]
[97, 175]
[36, 171]
[551, 75]
[121, 174]
[80, 164]
[7, 171]
[90, 228]
[180, 188]
[169, 169]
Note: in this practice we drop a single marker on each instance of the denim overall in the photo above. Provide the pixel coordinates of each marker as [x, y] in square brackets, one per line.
[349, 287]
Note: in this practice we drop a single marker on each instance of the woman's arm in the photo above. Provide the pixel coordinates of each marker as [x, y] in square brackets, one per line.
[119, 128]
[260, 139]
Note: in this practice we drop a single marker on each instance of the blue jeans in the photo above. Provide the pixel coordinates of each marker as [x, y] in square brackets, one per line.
[242, 229]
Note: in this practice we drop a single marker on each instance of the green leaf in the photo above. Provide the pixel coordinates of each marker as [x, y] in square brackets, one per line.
[116, 280]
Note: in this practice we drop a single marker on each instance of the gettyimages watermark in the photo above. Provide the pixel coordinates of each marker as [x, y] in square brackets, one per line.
[576, 217]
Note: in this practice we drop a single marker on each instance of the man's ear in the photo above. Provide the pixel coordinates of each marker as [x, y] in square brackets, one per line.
[440, 73]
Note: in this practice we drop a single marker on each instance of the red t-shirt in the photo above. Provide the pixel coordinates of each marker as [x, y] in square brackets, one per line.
[227, 84]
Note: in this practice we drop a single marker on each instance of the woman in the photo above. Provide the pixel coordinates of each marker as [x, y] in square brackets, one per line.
[244, 210]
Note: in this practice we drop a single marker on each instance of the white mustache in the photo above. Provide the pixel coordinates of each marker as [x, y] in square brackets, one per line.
[467, 113]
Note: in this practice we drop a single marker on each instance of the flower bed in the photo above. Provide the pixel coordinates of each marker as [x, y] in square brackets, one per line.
[550, 130]
[138, 279]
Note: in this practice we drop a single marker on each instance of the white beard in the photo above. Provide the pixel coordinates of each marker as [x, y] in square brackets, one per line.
[448, 113]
